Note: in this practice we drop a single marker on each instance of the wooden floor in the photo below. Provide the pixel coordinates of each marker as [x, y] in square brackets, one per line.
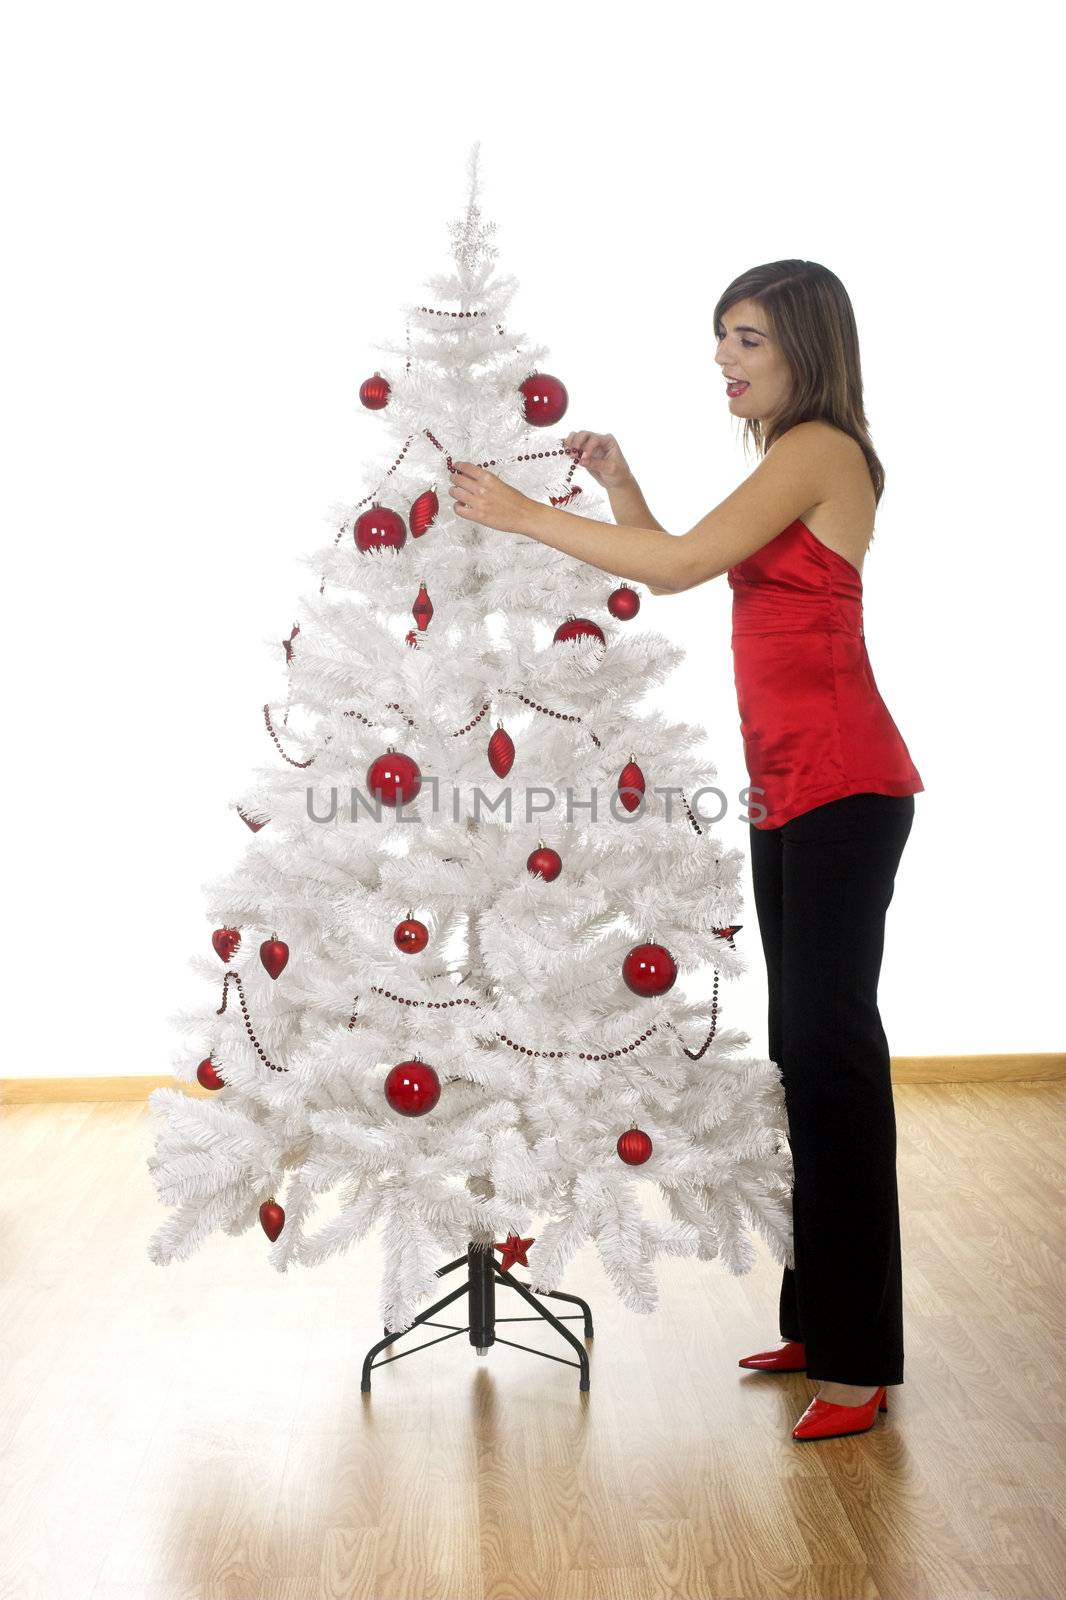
[197, 1432]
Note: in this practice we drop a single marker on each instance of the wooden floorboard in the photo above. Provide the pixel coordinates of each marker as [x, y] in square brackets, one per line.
[197, 1432]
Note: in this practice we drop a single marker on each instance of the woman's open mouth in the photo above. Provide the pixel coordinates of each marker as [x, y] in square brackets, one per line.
[735, 389]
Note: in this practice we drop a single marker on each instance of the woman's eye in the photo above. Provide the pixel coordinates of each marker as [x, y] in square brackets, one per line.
[750, 344]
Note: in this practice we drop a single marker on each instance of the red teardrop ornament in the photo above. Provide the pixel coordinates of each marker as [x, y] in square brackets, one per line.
[271, 1218]
[274, 953]
[226, 942]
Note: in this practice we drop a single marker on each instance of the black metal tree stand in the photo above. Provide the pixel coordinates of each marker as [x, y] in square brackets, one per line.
[481, 1286]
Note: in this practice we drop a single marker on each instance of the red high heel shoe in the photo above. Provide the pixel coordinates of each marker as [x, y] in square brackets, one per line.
[823, 1419]
[789, 1357]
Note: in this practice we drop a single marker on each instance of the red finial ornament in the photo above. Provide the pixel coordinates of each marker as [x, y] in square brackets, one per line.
[630, 779]
[423, 513]
[501, 751]
[422, 610]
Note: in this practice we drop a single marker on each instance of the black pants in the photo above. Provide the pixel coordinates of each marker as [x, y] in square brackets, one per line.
[822, 883]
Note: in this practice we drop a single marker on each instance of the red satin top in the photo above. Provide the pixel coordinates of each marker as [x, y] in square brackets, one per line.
[813, 722]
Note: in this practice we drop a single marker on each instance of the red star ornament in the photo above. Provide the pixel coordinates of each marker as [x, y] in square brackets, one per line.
[514, 1250]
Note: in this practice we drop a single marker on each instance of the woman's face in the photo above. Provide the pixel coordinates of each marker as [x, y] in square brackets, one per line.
[747, 351]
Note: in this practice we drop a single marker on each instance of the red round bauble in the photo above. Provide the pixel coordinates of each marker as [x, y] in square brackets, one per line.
[422, 610]
[207, 1075]
[410, 935]
[226, 942]
[423, 513]
[274, 953]
[545, 399]
[393, 779]
[501, 751]
[271, 1218]
[576, 628]
[630, 778]
[374, 392]
[412, 1088]
[378, 529]
[545, 862]
[623, 603]
[649, 969]
[634, 1147]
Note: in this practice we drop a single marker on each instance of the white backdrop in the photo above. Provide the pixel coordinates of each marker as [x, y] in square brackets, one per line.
[213, 213]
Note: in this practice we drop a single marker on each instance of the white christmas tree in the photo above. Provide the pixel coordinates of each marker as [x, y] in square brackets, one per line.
[447, 994]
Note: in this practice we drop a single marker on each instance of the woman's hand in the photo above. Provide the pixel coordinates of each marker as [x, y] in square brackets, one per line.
[600, 455]
[479, 496]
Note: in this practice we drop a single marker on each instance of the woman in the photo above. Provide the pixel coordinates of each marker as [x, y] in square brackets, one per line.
[833, 783]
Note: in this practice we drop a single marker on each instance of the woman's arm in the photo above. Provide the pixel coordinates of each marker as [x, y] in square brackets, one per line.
[797, 473]
[629, 506]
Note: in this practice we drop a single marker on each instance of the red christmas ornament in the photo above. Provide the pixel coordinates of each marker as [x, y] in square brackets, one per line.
[374, 392]
[545, 399]
[649, 969]
[394, 779]
[378, 529]
[271, 1218]
[623, 603]
[630, 778]
[274, 953]
[514, 1250]
[411, 638]
[423, 513]
[501, 751]
[410, 935]
[576, 628]
[412, 1088]
[634, 1147]
[226, 942]
[545, 862]
[422, 610]
[727, 933]
[286, 644]
[207, 1075]
[255, 826]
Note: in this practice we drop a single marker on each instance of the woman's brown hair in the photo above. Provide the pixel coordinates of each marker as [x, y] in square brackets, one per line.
[812, 320]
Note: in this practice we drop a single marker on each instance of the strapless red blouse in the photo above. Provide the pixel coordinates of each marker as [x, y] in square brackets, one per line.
[814, 725]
